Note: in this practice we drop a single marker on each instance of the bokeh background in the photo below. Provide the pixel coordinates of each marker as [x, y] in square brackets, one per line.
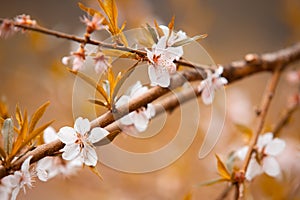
[31, 73]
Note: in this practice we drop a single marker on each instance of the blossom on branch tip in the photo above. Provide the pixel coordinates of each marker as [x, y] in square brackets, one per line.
[94, 24]
[79, 141]
[25, 20]
[138, 119]
[19, 179]
[212, 83]
[263, 160]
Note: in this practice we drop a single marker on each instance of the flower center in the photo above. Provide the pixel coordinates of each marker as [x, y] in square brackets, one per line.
[79, 141]
[155, 58]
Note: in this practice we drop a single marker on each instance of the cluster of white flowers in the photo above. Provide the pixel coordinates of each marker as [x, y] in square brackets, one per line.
[77, 59]
[263, 160]
[12, 184]
[162, 57]
[137, 120]
[44, 169]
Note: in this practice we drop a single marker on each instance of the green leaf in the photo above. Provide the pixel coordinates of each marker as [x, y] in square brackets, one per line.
[8, 135]
[222, 169]
[189, 40]
[37, 116]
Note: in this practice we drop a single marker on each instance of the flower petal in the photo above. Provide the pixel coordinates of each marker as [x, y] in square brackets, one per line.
[207, 95]
[127, 120]
[42, 174]
[161, 45]
[271, 166]
[70, 151]
[219, 71]
[263, 140]
[241, 153]
[140, 121]
[11, 181]
[15, 193]
[275, 147]
[97, 134]
[67, 135]
[50, 135]
[150, 111]
[89, 156]
[254, 169]
[123, 100]
[26, 164]
[82, 126]
[158, 76]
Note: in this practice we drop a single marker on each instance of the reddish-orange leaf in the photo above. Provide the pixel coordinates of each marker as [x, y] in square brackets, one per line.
[158, 29]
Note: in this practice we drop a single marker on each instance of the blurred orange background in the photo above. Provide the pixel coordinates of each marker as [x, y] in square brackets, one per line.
[31, 73]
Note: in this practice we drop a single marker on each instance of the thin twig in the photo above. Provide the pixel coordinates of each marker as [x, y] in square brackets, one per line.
[233, 72]
[262, 113]
[225, 192]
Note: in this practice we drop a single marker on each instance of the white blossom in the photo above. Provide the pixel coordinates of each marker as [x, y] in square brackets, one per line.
[79, 141]
[76, 59]
[7, 29]
[50, 167]
[139, 119]
[263, 161]
[19, 179]
[94, 24]
[212, 83]
[25, 20]
[162, 57]
[101, 63]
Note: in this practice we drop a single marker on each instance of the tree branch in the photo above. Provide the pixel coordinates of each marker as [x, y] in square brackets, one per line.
[262, 113]
[234, 71]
